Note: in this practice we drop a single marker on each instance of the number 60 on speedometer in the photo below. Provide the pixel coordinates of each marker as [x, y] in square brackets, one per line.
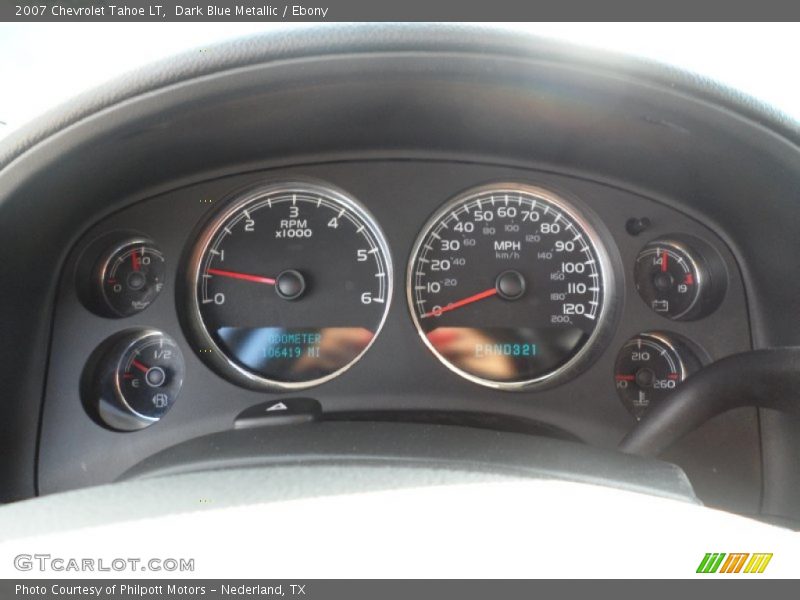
[511, 286]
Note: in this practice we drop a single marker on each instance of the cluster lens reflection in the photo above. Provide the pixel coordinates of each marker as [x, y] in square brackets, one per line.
[296, 354]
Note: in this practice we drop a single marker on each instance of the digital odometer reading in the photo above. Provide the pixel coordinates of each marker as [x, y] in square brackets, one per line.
[291, 285]
[507, 285]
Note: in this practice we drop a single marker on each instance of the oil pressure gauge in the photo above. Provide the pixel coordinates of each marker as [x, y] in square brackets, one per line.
[134, 379]
[120, 274]
[129, 276]
[649, 367]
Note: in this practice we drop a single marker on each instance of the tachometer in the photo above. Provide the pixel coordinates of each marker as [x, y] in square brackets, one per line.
[510, 286]
[289, 285]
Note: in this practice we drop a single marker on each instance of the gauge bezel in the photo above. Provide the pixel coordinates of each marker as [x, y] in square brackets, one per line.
[583, 218]
[105, 263]
[656, 337]
[136, 340]
[102, 393]
[204, 345]
[688, 355]
[699, 275]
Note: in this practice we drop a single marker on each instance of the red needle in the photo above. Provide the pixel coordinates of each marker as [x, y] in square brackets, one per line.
[664, 261]
[135, 261]
[244, 276]
[141, 366]
[454, 305]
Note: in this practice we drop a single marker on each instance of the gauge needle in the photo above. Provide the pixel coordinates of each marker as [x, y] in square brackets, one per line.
[141, 366]
[135, 260]
[454, 305]
[244, 276]
[664, 259]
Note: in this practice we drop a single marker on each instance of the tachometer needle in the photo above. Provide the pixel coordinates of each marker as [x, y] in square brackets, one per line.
[243, 276]
[454, 305]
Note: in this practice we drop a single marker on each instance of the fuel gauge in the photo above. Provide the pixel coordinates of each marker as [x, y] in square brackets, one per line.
[135, 378]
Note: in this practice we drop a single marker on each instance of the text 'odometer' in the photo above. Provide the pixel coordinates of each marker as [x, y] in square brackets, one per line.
[291, 284]
[508, 285]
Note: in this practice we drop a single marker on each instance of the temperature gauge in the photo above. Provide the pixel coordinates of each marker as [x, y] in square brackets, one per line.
[135, 379]
[130, 275]
[681, 279]
[649, 367]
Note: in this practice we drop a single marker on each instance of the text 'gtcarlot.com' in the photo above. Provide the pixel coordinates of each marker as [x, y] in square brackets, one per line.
[47, 562]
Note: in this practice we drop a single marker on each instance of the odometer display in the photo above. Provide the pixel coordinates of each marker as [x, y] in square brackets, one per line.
[290, 285]
[508, 285]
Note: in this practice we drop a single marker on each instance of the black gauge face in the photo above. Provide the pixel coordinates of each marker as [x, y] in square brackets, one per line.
[508, 285]
[150, 375]
[131, 275]
[291, 284]
[133, 380]
[668, 278]
[649, 367]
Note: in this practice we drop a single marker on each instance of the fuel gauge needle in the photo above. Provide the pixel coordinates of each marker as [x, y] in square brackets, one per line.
[454, 305]
[243, 276]
[141, 366]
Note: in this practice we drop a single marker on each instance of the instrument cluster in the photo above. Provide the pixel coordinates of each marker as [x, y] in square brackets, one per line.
[287, 285]
[493, 296]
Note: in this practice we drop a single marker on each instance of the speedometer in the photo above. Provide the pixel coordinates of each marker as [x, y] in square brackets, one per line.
[510, 286]
[288, 286]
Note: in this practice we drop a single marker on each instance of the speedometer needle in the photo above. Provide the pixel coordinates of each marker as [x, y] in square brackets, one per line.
[454, 305]
[244, 276]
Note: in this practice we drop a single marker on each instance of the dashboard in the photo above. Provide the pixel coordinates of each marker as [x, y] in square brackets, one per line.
[324, 290]
[443, 225]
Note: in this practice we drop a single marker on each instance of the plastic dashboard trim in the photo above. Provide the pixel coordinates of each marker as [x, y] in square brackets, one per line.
[378, 38]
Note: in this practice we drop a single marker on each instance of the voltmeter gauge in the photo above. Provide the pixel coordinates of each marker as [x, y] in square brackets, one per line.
[680, 278]
[649, 367]
[134, 379]
[129, 276]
